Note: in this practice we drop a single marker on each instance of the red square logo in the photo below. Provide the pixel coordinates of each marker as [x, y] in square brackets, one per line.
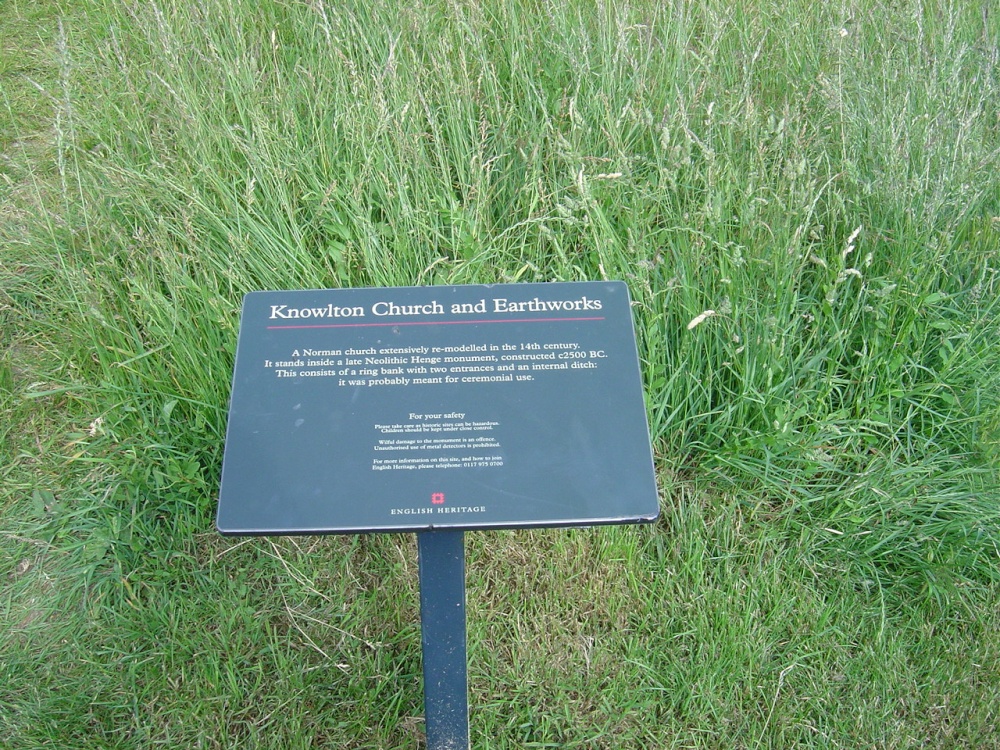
[437, 498]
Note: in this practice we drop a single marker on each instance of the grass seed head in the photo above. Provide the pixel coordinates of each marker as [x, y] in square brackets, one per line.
[699, 319]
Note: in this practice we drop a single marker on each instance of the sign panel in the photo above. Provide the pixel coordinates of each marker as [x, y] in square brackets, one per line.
[417, 408]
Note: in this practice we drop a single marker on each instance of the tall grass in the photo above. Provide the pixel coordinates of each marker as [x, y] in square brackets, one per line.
[824, 180]
[802, 197]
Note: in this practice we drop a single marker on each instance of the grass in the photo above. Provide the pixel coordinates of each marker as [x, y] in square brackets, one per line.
[822, 179]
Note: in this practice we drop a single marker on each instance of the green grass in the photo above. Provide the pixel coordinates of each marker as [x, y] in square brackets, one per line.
[826, 571]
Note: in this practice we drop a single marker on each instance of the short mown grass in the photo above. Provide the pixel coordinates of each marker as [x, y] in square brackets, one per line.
[805, 203]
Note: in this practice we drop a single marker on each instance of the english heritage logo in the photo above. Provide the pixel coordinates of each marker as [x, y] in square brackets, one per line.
[437, 498]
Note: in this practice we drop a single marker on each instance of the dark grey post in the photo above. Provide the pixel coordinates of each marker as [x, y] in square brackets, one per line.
[442, 627]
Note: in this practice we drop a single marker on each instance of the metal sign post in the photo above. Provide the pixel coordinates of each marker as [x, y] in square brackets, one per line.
[442, 629]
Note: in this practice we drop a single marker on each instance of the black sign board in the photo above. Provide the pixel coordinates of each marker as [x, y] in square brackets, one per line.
[449, 407]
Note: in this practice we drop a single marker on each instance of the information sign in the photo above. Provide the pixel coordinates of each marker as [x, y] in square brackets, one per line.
[448, 407]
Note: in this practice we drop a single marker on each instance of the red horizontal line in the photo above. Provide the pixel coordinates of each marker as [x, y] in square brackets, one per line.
[434, 323]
